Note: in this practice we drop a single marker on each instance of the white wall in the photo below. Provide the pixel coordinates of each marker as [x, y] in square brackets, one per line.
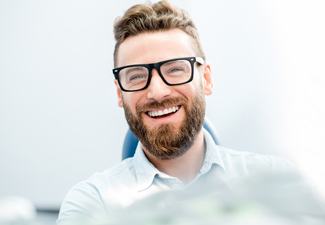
[59, 121]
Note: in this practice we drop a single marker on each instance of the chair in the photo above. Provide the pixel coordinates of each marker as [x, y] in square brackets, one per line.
[131, 141]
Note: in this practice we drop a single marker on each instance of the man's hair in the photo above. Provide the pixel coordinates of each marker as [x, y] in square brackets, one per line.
[148, 17]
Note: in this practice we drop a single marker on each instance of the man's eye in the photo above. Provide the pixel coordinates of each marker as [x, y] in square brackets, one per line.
[176, 70]
[137, 77]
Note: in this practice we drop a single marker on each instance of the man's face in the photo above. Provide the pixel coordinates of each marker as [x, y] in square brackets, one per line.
[165, 118]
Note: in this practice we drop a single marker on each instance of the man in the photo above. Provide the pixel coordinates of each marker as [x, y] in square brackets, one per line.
[161, 79]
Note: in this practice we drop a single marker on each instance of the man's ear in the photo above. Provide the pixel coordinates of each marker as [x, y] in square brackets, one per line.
[119, 94]
[207, 80]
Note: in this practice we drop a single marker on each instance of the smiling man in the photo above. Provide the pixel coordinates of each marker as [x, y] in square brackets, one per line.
[161, 79]
[162, 91]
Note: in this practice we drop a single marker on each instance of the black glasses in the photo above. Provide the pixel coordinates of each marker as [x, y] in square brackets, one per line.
[173, 72]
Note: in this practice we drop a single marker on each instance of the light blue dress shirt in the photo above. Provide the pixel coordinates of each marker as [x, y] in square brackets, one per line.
[136, 178]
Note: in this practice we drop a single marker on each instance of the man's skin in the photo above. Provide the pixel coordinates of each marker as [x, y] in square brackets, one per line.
[154, 47]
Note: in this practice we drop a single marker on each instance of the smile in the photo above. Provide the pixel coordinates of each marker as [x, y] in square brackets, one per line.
[164, 112]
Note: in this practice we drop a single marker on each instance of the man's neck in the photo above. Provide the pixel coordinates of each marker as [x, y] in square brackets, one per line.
[184, 167]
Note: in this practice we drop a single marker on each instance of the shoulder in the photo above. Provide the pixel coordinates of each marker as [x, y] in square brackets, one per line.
[122, 172]
[88, 198]
[247, 163]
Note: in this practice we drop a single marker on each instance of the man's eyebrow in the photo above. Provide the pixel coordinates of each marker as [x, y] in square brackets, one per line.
[134, 68]
[178, 62]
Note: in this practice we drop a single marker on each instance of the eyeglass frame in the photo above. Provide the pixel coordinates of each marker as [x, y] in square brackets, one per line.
[157, 65]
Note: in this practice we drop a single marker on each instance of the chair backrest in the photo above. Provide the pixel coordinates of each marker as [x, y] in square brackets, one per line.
[131, 141]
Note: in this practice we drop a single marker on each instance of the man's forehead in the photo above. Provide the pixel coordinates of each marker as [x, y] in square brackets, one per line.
[156, 46]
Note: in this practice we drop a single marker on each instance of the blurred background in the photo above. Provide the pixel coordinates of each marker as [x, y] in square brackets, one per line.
[59, 119]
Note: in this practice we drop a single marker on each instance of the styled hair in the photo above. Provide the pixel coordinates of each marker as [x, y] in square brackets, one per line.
[148, 17]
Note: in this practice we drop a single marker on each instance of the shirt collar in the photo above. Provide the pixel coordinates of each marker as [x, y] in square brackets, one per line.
[212, 154]
[146, 171]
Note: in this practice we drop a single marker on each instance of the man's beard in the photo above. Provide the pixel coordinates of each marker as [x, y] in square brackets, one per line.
[166, 141]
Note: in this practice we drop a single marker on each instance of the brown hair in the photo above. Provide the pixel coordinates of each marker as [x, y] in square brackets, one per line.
[150, 17]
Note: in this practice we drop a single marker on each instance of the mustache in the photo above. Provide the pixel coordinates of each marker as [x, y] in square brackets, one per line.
[166, 103]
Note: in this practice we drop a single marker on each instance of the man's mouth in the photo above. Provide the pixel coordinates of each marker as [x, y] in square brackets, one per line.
[163, 112]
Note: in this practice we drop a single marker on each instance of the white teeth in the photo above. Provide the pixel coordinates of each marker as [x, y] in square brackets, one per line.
[163, 112]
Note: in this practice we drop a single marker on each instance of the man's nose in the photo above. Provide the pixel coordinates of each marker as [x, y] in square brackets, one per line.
[157, 89]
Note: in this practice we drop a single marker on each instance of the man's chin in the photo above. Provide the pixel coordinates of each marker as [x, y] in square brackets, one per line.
[154, 131]
[171, 128]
